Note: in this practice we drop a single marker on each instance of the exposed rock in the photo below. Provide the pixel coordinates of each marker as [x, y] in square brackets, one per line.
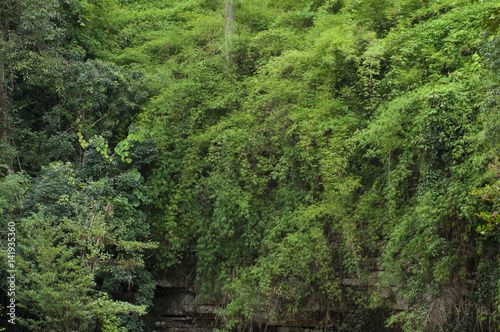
[177, 309]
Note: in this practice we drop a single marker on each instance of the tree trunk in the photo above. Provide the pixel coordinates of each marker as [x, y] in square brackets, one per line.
[4, 38]
[3, 104]
[229, 20]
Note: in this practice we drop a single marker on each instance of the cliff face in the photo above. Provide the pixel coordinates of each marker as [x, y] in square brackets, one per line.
[177, 308]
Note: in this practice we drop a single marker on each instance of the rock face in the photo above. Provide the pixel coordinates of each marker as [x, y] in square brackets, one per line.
[177, 309]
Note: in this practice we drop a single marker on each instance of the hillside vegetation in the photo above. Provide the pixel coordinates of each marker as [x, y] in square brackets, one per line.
[265, 150]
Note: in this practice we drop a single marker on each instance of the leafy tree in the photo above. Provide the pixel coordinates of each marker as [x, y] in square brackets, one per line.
[28, 38]
[59, 267]
[83, 240]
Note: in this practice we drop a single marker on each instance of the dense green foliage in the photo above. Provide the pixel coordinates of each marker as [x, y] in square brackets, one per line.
[332, 161]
